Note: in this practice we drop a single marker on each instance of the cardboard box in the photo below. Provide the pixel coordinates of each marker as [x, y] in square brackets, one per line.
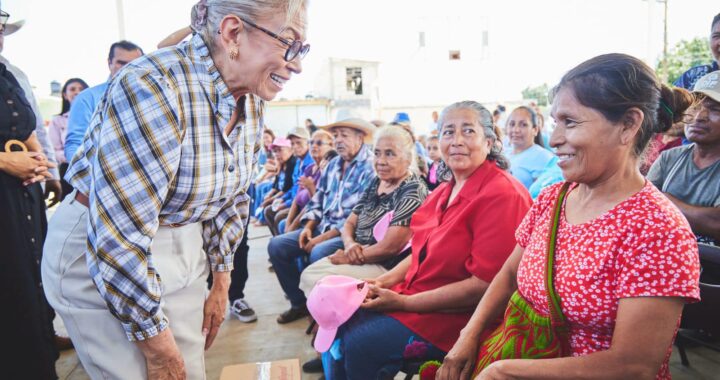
[288, 369]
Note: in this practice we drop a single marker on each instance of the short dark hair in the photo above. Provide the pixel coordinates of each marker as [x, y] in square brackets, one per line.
[716, 19]
[125, 45]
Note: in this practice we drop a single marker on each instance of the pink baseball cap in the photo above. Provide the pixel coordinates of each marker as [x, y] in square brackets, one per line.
[382, 226]
[282, 142]
[332, 301]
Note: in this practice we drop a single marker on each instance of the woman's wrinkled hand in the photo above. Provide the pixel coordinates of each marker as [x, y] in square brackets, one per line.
[493, 371]
[355, 254]
[459, 363]
[339, 258]
[376, 283]
[384, 300]
[162, 357]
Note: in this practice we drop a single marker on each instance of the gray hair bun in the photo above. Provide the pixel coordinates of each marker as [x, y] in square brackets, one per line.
[198, 15]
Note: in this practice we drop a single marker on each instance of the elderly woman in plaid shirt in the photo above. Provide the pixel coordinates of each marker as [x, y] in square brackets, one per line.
[161, 183]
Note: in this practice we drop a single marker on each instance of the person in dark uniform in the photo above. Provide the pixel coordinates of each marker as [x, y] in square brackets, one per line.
[26, 315]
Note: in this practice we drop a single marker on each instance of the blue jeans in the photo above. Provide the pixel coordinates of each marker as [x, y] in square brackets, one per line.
[284, 251]
[261, 190]
[372, 346]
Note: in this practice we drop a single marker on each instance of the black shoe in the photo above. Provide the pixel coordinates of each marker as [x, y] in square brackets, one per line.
[313, 366]
[292, 314]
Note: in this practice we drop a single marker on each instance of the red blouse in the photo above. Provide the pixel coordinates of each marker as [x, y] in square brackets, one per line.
[643, 247]
[473, 236]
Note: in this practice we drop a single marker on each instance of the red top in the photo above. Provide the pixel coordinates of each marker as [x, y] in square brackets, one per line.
[654, 149]
[473, 236]
[643, 247]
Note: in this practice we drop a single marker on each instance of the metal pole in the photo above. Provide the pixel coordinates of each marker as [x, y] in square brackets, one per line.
[121, 19]
[664, 73]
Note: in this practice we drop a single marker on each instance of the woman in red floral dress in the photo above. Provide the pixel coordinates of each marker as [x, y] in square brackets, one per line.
[626, 260]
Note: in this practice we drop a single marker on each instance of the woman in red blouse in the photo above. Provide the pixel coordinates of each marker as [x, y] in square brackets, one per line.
[625, 259]
[462, 234]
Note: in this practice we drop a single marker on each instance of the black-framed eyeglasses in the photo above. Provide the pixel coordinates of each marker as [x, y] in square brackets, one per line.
[4, 16]
[295, 47]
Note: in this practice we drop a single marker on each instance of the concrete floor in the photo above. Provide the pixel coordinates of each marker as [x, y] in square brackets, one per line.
[265, 340]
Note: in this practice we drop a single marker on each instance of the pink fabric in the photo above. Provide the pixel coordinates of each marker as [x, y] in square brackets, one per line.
[332, 301]
[432, 176]
[643, 247]
[382, 226]
[57, 132]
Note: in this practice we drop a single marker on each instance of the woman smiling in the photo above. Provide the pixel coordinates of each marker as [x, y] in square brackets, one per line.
[604, 262]
[161, 192]
[461, 236]
[528, 157]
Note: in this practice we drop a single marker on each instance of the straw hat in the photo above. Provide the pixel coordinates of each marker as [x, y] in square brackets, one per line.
[13, 27]
[354, 123]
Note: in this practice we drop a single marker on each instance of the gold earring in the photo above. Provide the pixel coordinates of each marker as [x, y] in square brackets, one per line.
[233, 53]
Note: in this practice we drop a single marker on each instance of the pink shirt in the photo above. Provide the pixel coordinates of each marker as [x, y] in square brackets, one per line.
[643, 247]
[58, 131]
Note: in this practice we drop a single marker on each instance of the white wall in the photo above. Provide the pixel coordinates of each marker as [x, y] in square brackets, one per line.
[283, 117]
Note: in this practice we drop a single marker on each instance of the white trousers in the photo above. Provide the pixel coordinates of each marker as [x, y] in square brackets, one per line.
[99, 339]
[324, 267]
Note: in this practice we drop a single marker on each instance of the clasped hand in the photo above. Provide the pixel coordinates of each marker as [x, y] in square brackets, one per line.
[352, 255]
[30, 167]
[381, 299]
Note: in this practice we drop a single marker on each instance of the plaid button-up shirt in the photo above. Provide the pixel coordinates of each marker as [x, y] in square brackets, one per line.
[337, 194]
[156, 154]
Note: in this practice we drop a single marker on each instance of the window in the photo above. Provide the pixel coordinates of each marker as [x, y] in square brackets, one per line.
[353, 79]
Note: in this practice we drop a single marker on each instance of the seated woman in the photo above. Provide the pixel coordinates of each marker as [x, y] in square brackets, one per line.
[462, 234]
[397, 189]
[284, 180]
[320, 143]
[625, 259]
[527, 157]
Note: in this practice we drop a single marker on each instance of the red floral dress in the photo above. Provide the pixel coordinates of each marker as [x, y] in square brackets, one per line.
[643, 247]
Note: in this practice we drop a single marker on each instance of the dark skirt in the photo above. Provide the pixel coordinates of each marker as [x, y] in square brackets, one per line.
[27, 335]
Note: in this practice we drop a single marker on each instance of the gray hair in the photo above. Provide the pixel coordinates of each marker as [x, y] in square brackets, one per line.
[484, 118]
[206, 15]
[404, 140]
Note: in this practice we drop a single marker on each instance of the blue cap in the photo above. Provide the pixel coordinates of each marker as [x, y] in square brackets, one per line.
[401, 118]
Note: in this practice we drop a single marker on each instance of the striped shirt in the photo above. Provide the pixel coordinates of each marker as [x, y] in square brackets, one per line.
[156, 154]
[338, 193]
[403, 201]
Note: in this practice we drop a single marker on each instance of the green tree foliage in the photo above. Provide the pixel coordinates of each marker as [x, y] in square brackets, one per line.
[684, 55]
[537, 93]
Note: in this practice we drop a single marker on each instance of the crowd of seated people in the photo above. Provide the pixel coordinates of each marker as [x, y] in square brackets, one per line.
[479, 248]
[443, 251]
[444, 230]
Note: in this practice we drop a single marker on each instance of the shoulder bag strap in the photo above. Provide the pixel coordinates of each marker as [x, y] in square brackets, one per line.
[556, 315]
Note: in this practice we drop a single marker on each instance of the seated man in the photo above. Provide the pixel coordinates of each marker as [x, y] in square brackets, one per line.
[341, 186]
[690, 175]
[299, 143]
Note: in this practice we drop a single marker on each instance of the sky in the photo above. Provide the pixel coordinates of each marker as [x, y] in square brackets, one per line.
[530, 42]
